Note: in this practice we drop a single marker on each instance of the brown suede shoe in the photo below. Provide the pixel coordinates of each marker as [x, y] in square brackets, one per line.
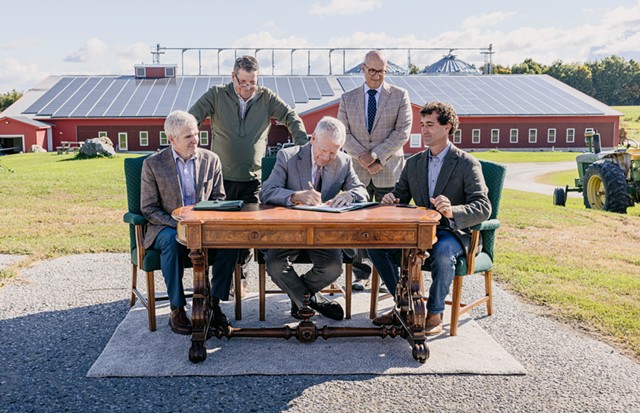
[386, 319]
[179, 322]
[433, 324]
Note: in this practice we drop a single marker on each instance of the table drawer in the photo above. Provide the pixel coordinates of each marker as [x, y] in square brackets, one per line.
[257, 237]
[355, 237]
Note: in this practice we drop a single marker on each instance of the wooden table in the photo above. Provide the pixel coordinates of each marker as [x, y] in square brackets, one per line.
[264, 226]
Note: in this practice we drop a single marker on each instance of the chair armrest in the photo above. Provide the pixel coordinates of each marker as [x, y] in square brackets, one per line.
[490, 224]
[133, 219]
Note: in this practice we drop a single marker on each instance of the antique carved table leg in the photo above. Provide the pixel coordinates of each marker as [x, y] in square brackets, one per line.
[199, 310]
[410, 307]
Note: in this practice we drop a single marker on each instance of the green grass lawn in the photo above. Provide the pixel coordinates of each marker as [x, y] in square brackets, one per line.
[582, 265]
[630, 121]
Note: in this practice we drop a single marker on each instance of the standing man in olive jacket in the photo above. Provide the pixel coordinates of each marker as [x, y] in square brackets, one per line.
[240, 113]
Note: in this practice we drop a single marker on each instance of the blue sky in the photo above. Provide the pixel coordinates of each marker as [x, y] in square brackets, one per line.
[41, 38]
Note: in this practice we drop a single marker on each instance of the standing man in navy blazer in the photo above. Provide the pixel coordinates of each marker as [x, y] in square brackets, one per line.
[180, 175]
[446, 179]
[378, 119]
[312, 174]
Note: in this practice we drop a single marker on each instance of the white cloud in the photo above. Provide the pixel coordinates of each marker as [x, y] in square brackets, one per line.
[487, 19]
[19, 44]
[14, 74]
[345, 7]
[90, 51]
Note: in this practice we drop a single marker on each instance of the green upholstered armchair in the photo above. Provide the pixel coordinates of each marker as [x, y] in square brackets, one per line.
[147, 260]
[267, 166]
[472, 263]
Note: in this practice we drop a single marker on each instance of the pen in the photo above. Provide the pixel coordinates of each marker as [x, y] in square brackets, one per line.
[311, 186]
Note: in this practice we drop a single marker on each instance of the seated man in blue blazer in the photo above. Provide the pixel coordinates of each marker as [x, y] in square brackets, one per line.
[446, 179]
[180, 175]
[312, 174]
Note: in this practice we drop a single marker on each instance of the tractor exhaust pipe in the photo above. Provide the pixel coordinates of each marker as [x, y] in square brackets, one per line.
[597, 148]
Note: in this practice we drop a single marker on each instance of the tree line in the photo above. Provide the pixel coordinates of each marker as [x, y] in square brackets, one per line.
[611, 80]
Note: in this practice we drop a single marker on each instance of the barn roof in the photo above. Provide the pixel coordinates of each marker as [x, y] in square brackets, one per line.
[125, 96]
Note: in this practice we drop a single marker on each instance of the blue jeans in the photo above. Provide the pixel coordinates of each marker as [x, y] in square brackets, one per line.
[443, 267]
[173, 257]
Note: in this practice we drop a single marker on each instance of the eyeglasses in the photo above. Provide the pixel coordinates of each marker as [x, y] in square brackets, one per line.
[373, 72]
[244, 85]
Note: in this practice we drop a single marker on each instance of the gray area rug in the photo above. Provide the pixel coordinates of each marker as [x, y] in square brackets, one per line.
[134, 351]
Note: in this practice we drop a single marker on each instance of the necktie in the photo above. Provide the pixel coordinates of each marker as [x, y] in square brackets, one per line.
[371, 109]
[317, 180]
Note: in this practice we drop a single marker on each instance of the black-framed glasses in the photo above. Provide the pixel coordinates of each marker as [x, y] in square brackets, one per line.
[244, 85]
[373, 72]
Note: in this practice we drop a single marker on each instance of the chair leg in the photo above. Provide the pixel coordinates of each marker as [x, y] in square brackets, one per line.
[348, 278]
[237, 283]
[262, 287]
[151, 301]
[488, 276]
[134, 283]
[455, 305]
[375, 290]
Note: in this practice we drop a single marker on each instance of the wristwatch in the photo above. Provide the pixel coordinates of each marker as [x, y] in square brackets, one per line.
[374, 155]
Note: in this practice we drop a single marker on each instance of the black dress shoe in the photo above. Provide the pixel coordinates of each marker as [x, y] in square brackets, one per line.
[294, 311]
[329, 309]
[179, 322]
[219, 320]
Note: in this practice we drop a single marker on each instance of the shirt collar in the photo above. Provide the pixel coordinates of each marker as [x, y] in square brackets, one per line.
[367, 88]
[177, 157]
[442, 154]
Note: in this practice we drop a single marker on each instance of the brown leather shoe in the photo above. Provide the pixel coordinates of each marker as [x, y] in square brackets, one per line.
[433, 324]
[179, 322]
[386, 319]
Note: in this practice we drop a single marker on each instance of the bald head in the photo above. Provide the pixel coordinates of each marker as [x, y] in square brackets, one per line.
[375, 57]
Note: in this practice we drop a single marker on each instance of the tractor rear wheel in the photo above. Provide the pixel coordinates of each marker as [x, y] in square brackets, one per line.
[605, 187]
[559, 197]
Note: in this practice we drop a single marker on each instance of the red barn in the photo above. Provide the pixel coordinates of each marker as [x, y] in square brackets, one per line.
[508, 112]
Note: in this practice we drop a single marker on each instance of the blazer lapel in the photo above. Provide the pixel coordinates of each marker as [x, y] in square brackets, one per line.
[170, 175]
[448, 166]
[199, 171]
[359, 108]
[382, 101]
[423, 181]
[304, 166]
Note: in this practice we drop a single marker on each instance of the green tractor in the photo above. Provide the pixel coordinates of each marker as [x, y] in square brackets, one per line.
[608, 180]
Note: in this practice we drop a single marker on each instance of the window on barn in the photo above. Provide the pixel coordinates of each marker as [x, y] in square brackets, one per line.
[122, 141]
[102, 134]
[495, 135]
[551, 135]
[144, 138]
[533, 135]
[164, 141]
[571, 135]
[513, 136]
[475, 136]
[457, 136]
[204, 138]
[415, 140]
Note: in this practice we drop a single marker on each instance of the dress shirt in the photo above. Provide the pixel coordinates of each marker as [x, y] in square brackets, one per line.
[435, 166]
[187, 176]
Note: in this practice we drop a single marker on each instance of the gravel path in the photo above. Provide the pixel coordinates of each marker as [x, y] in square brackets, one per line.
[521, 176]
[58, 316]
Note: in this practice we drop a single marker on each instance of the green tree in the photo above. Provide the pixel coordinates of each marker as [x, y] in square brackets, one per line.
[413, 69]
[528, 67]
[7, 99]
[575, 75]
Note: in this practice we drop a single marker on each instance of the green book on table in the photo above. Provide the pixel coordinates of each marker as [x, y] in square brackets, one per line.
[218, 206]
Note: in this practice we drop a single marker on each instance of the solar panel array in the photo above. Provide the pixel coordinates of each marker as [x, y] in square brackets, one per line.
[126, 96]
[495, 95]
